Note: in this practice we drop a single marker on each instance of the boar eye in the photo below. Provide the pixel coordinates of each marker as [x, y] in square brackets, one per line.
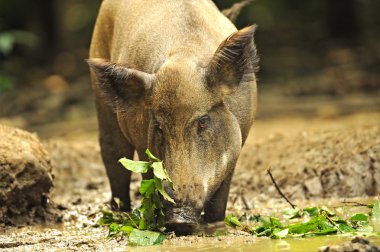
[203, 123]
[158, 127]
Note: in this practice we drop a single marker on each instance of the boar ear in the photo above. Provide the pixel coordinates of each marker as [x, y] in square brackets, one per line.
[234, 62]
[120, 85]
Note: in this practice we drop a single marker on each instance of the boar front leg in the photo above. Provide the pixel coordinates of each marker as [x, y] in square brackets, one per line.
[215, 207]
[113, 147]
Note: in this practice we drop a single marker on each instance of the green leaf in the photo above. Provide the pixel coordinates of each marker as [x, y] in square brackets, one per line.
[145, 238]
[108, 218]
[150, 155]
[135, 166]
[265, 232]
[162, 191]
[160, 172]
[232, 221]
[160, 239]
[326, 231]
[127, 229]
[327, 211]
[279, 233]
[114, 229]
[264, 222]
[275, 223]
[345, 227]
[376, 211]
[147, 187]
[148, 212]
[359, 217]
[325, 224]
[300, 228]
[311, 211]
[291, 213]
[142, 224]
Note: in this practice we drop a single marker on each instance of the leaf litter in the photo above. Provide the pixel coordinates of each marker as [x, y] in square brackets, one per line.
[308, 222]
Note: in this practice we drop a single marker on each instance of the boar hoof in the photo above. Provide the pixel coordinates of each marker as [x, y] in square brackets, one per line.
[123, 206]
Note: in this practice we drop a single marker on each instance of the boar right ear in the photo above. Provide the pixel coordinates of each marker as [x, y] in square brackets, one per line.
[120, 85]
[234, 62]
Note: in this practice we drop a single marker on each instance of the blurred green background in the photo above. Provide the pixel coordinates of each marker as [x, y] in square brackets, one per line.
[314, 47]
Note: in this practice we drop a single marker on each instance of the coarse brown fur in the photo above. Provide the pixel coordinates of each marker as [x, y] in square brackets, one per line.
[176, 77]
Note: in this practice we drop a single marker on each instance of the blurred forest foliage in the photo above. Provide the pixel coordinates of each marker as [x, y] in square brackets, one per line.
[307, 47]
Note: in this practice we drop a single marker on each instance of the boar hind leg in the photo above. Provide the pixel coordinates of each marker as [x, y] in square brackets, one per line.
[113, 147]
[215, 207]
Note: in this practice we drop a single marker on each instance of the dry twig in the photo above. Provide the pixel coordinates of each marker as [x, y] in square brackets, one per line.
[279, 190]
[354, 203]
[244, 200]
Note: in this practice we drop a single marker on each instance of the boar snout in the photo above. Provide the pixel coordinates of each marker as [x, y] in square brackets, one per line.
[181, 220]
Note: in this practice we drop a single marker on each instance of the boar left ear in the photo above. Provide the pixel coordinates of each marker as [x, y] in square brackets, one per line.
[234, 62]
[119, 85]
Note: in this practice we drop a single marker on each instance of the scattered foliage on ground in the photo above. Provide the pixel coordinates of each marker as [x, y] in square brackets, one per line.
[307, 222]
[145, 225]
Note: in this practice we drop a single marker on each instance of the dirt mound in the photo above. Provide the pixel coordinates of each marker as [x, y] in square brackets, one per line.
[340, 162]
[25, 175]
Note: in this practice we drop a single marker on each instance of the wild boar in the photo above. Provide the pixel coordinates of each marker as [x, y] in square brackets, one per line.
[176, 77]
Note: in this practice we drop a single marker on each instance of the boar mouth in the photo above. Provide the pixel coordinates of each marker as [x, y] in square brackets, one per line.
[181, 220]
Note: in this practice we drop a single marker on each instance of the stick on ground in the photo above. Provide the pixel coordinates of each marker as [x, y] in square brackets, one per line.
[246, 205]
[279, 190]
[354, 203]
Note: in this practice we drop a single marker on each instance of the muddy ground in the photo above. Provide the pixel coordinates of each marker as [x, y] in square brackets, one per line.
[316, 147]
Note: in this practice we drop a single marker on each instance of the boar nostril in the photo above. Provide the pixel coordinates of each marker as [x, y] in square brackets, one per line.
[181, 221]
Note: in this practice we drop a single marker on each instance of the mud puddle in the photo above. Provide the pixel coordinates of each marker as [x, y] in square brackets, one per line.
[91, 239]
[256, 244]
